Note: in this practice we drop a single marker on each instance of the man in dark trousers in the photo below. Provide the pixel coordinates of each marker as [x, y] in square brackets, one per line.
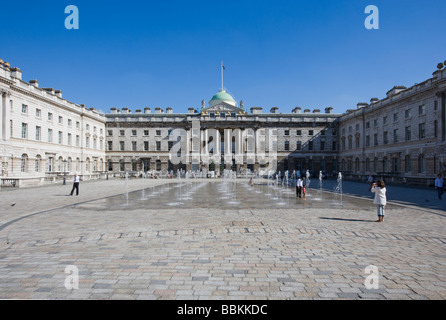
[75, 185]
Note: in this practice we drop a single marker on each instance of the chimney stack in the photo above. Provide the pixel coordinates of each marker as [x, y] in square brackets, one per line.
[16, 73]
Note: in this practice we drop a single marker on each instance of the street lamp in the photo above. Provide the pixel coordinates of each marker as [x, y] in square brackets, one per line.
[64, 172]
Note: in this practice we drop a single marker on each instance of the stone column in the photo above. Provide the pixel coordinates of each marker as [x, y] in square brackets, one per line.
[443, 116]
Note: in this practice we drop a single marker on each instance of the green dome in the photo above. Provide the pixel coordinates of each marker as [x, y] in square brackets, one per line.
[222, 96]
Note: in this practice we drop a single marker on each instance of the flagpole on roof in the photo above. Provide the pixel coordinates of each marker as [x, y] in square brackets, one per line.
[222, 67]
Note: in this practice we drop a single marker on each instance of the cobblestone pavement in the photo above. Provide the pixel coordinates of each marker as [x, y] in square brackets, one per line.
[202, 239]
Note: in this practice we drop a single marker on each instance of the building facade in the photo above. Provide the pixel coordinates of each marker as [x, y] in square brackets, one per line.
[401, 138]
[45, 138]
[221, 136]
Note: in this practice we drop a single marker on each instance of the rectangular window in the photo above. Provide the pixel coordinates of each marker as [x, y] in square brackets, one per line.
[134, 133]
[158, 132]
[408, 134]
[395, 136]
[421, 109]
[24, 108]
[50, 135]
[299, 145]
[146, 132]
[333, 146]
[322, 145]
[385, 137]
[422, 130]
[310, 132]
[121, 145]
[122, 133]
[110, 145]
[69, 139]
[287, 132]
[158, 146]
[384, 120]
[407, 113]
[299, 132]
[60, 120]
[110, 133]
[375, 139]
[60, 137]
[310, 145]
[38, 133]
[367, 141]
[146, 145]
[38, 113]
[133, 145]
[24, 130]
[367, 125]
[69, 122]
[395, 117]
[287, 146]
[435, 129]
[50, 116]
[78, 140]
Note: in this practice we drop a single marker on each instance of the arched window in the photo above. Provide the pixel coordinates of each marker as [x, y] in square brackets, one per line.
[421, 163]
[69, 162]
[23, 162]
[367, 165]
[60, 164]
[407, 164]
[385, 166]
[37, 163]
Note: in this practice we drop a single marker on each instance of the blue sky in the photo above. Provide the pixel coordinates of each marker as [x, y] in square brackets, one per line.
[311, 54]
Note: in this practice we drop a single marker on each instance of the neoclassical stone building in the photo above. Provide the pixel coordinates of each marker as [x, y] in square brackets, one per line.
[221, 136]
[401, 137]
[44, 138]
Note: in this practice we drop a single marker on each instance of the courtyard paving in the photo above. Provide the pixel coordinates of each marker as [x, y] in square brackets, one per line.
[220, 239]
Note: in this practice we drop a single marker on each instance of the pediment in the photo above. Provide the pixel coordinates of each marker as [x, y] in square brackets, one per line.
[222, 107]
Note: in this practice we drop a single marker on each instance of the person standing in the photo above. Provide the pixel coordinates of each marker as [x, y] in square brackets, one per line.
[380, 198]
[75, 185]
[299, 186]
[304, 187]
[439, 185]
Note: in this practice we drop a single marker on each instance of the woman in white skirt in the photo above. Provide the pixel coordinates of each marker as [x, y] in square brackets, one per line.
[380, 199]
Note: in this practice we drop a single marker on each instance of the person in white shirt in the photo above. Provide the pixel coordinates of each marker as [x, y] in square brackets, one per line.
[299, 187]
[380, 198]
[75, 185]
[439, 185]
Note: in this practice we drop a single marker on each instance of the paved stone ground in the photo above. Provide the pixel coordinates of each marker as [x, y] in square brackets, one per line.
[165, 239]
